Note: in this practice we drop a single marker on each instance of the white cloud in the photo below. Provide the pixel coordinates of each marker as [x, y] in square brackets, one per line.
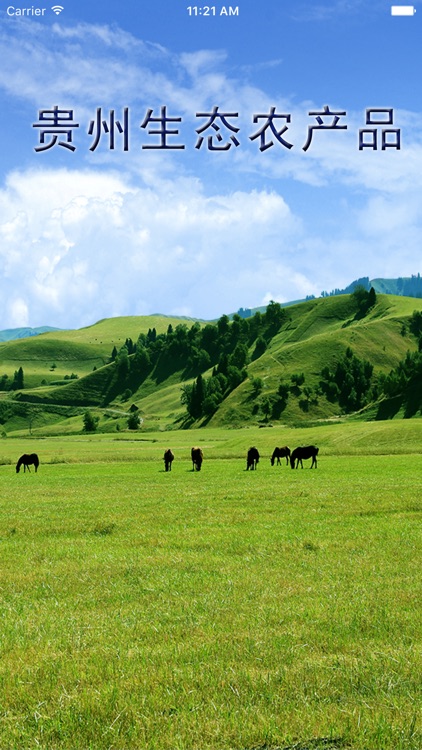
[84, 66]
[112, 36]
[18, 313]
[88, 246]
[323, 12]
[197, 63]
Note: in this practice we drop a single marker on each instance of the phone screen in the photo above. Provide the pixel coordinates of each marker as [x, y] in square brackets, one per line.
[195, 160]
[184, 162]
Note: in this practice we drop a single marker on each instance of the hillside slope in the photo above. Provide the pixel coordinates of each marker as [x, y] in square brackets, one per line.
[317, 334]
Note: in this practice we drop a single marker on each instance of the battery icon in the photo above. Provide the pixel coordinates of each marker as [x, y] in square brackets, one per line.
[402, 10]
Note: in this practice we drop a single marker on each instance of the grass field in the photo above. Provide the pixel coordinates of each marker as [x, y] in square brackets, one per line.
[216, 610]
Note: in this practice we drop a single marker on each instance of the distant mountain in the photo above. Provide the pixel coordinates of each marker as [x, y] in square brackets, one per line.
[404, 286]
[11, 334]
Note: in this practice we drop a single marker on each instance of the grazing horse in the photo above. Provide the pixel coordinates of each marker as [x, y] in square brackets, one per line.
[280, 453]
[26, 460]
[309, 451]
[168, 459]
[252, 459]
[197, 458]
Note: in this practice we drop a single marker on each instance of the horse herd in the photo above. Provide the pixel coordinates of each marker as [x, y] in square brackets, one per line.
[295, 457]
[252, 459]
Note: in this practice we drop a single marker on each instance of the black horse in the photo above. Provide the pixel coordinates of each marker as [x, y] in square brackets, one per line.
[27, 459]
[280, 453]
[308, 451]
[168, 459]
[252, 459]
[197, 458]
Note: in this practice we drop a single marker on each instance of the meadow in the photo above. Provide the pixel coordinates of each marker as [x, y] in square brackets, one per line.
[223, 610]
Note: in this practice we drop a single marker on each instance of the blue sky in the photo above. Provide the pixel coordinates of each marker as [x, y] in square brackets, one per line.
[87, 234]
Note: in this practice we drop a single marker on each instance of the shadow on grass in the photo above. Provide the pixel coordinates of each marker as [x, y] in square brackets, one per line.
[318, 743]
[103, 529]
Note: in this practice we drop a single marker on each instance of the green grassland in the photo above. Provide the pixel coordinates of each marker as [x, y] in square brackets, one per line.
[221, 609]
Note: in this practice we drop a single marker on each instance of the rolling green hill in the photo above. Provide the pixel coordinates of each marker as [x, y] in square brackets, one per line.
[52, 356]
[312, 335]
[317, 334]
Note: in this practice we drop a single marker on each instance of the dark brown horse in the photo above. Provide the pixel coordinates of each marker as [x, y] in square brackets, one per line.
[197, 458]
[308, 451]
[168, 459]
[280, 453]
[252, 459]
[26, 460]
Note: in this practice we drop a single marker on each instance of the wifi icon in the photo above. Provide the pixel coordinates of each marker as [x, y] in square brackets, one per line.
[57, 9]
